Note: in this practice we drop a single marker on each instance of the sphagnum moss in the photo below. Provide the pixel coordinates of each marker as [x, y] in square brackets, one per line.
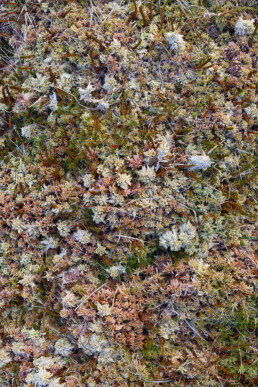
[127, 193]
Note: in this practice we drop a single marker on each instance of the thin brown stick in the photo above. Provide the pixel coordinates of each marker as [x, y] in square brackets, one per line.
[189, 20]
[51, 295]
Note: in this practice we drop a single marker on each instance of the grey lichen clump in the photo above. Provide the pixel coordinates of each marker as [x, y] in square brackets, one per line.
[199, 162]
[244, 27]
[127, 192]
[176, 41]
[179, 238]
[93, 344]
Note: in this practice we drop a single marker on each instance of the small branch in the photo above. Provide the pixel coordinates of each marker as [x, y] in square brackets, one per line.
[189, 20]
[83, 301]
[51, 294]
[189, 325]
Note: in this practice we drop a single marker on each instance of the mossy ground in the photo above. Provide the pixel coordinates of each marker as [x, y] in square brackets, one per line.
[142, 264]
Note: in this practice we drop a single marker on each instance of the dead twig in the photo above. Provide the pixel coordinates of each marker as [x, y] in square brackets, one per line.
[189, 20]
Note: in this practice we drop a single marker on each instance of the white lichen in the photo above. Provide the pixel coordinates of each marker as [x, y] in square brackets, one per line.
[115, 45]
[18, 224]
[147, 174]
[179, 238]
[40, 378]
[53, 101]
[170, 240]
[102, 105]
[187, 230]
[104, 310]
[168, 328]
[27, 280]
[5, 357]
[200, 266]
[50, 243]
[86, 93]
[69, 300]
[63, 347]
[48, 362]
[88, 180]
[93, 344]
[244, 27]
[107, 356]
[99, 214]
[110, 84]
[252, 111]
[82, 236]
[198, 162]
[64, 228]
[161, 158]
[176, 41]
[28, 130]
[56, 383]
[116, 270]
[124, 180]
[18, 348]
